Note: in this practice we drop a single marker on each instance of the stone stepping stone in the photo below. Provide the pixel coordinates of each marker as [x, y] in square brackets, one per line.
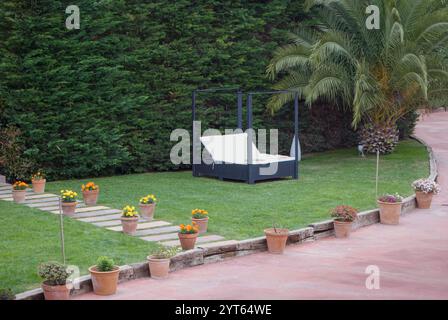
[54, 208]
[88, 209]
[33, 201]
[161, 237]
[115, 222]
[43, 204]
[217, 244]
[98, 213]
[105, 217]
[199, 240]
[153, 231]
[33, 196]
[145, 225]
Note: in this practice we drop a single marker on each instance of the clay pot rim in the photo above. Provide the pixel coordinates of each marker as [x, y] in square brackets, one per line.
[38, 181]
[92, 270]
[423, 192]
[151, 258]
[342, 222]
[199, 219]
[68, 286]
[280, 232]
[14, 190]
[129, 218]
[389, 203]
[67, 203]
[188, 235]
[91, 191]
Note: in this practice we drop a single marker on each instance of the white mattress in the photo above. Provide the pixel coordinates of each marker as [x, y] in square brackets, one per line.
[232, 148]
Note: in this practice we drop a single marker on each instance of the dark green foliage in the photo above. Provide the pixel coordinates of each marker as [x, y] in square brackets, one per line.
[406, 125]
[7, 294]
[53, 273]
[379, 138]
[104, 99]
[13, 162]
[105, 264]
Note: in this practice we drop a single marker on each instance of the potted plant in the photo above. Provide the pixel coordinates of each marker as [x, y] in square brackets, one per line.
[148, 206]
[55, 284]
[390, 208]
[159, 261]
[424, 190]
[104, 276]
[343, 219]
[276, 239]
[19, 191]
[90, 193]
[129, 220]
[68, 202]
[7, 294]
[38, 181]
[200, 217]
[188, 235]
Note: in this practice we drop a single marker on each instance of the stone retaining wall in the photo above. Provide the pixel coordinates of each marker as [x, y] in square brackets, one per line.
[211, 254]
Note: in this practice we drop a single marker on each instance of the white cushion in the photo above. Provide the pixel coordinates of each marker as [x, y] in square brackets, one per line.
[232, 148]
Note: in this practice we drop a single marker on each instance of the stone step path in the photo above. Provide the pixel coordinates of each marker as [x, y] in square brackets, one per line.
[109, 218]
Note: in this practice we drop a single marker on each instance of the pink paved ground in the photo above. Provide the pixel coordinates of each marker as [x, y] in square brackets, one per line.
[412, 258]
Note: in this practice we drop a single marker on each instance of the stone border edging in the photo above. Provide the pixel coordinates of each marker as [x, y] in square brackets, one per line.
[211, 254]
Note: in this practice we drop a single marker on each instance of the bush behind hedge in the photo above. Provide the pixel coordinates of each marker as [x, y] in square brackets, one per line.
[103, 99]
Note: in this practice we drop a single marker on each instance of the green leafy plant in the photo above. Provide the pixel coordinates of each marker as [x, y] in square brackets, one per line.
[105, 264]
[391, 198]
[164, 252]
[381, 75]
[379, 138]
[344, 213]
[7, 294]
[53, 273]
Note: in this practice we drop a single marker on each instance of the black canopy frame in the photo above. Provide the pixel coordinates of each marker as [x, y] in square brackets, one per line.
[249, 172]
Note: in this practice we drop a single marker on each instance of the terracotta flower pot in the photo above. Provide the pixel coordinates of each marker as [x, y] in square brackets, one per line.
[201, 223]
[68, 208]
[423, 199]
[158, 268]
[129, 225]
[19, 196]
[342, 229]
[187, 240]
[60, 292]
[147, 211]
[90, 197]
[389, 212]
[39, 185]
[104, 283]
[276, 240]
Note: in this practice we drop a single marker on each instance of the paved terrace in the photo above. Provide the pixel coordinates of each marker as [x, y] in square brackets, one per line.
[412, 258]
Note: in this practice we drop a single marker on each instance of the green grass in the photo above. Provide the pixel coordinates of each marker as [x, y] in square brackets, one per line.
[30, 237]
[237, 210]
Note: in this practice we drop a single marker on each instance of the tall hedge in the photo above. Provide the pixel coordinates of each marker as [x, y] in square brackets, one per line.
[104, 99]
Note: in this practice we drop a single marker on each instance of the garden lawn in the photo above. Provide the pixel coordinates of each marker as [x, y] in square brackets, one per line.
[30, 236]
[239, 211]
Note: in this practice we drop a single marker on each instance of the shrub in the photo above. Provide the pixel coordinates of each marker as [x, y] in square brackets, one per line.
[12, 160]
[426, 186]
[149, 199]
[379, 138]
[68, 196]
[129, 212]
[19, 185]
[54, 273]
[105, 264]
[199, 213]
[391, 198]
[7, 294]
[89, 186]
[189, 228]
[344, 213]
[164, 252]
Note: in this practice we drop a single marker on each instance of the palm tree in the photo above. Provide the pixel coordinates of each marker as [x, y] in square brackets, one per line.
[380, 74]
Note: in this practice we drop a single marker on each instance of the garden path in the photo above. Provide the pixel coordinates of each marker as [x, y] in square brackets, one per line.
[412, 258]
[109, 218]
